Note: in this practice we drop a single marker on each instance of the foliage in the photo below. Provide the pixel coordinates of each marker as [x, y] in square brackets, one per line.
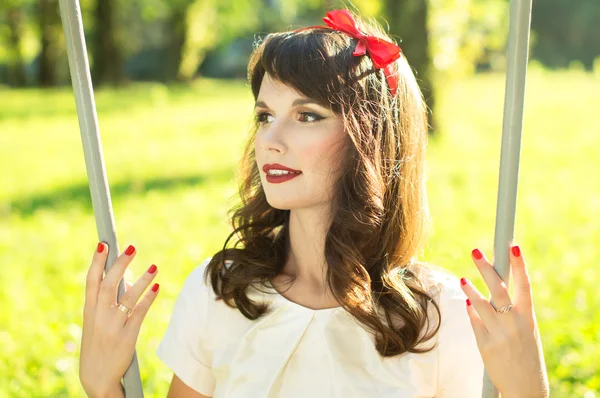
[467, 33]
[203, 25]
[166, 40]
[171, 153]
[566, 31]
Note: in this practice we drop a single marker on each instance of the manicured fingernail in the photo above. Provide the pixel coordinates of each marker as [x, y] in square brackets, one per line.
[152, 269]
[468, 302]
[477, 254]
[130, 250]
[516, 251]
[100, 248]
[463, 281]
[155, 287]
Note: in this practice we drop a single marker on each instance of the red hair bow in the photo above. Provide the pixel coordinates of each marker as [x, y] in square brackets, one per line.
[382, 52]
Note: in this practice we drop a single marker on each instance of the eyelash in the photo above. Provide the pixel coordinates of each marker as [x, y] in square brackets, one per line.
[259, 118]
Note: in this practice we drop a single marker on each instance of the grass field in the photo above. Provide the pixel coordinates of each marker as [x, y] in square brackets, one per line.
[171, 154]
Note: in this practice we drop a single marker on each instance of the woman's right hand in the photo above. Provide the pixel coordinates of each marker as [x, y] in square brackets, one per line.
[109, 333]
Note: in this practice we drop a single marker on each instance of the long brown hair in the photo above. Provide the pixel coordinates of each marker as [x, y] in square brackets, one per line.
[380, 216]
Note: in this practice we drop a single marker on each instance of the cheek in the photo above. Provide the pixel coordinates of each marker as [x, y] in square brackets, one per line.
[258, 152]
[324, 154]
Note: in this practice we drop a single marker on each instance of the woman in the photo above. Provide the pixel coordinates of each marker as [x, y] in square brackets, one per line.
[321, 294]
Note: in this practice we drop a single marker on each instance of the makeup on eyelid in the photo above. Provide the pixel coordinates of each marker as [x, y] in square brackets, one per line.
[260, 116]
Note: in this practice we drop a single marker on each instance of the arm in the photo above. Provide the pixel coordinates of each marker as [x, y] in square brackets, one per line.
[179, 389]
[460, 372]
[185, 346]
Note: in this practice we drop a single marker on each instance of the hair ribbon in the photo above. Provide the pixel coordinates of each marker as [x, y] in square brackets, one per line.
[382, 52]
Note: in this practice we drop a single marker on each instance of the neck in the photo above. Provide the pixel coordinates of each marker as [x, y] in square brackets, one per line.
[306, 256]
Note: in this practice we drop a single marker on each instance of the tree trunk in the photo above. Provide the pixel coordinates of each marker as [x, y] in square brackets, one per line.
[408, 21]
[16, 67]
[177, 38]
[107, 52]
[49, 23]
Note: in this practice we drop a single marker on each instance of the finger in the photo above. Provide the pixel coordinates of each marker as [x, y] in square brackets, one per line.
[108, 288]
[128, 275]
[522, 288]
[479, 329]
[94, 278]
[483, 307]
[128, 285]
[497, 288]
[132, 295]
[134, 323]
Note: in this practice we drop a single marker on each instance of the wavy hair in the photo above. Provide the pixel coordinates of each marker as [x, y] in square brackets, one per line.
[380, 217]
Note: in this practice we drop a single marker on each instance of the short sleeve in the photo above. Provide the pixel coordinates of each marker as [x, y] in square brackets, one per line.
[460, 371]
[183, 347]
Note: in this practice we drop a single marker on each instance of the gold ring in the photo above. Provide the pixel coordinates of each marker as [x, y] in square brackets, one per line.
[124, 309]
[505, 309]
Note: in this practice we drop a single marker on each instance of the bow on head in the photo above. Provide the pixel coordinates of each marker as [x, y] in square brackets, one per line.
[382, 52]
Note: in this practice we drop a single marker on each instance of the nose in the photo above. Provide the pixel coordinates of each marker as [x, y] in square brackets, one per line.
[272, 138]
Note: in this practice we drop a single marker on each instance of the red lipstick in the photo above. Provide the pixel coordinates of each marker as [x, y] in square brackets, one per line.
[277, 179]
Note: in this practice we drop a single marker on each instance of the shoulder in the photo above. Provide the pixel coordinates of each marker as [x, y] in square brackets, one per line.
[443, 288]
[456, 344]
[195, 283]
[197, 275]
[441, 284]
[198, 280]
[185, 348]
[194, 295]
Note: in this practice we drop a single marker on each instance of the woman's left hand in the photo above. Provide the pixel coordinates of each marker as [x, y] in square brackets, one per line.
[509, 343]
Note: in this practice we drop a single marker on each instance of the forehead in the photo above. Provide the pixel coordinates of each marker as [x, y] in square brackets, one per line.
[274, 92]
[271, 87]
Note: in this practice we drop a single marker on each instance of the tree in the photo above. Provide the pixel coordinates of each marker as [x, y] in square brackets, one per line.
[107, 54]
[14, 16]
[408, 21]
[50, 39]
[565, 31]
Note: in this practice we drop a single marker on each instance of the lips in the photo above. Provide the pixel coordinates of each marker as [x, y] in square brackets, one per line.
[277, 166]
[277, 179]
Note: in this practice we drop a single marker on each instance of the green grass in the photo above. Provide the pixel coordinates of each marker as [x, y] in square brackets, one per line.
[170, 156]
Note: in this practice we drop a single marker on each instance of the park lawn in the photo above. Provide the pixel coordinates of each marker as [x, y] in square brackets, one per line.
[171, 154]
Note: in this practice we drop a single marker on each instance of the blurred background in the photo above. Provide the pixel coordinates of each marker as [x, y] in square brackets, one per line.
[174, 110]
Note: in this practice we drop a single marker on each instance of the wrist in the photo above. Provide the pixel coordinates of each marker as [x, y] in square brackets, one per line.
[116, 391]
[540, 394]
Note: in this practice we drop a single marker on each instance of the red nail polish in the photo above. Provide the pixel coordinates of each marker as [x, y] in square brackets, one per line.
[477, 254]
[100, 248]
[463, 281]
[152, 269]
[155, 287]
[468, 302]
[516, 251]
[130, 250]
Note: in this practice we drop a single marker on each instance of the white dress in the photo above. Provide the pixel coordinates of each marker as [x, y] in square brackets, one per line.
[297, 352]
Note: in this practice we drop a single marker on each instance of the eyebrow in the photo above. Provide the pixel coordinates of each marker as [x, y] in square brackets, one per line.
[300, 101]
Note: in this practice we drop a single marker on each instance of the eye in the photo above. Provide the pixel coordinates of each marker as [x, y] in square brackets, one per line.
[305, 117]
[262, 117]
[311, 115]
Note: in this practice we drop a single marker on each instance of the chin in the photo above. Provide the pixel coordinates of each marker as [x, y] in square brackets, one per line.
[280, 204]
[286, 203]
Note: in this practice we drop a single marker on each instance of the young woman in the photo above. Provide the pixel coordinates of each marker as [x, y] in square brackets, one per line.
[320, 293]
